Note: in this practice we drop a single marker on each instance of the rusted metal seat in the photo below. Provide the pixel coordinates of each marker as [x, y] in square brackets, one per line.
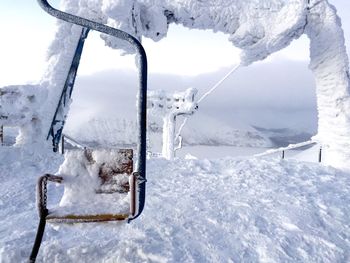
[99, 179]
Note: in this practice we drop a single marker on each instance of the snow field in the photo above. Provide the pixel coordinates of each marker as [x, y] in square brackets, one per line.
[225, 210]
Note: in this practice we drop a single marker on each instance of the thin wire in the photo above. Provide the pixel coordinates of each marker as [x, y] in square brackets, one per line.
[181, 127]
[219, 83]
[208, 93]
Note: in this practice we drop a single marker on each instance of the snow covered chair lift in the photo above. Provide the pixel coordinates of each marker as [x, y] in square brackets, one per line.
[109, 174]
[169, 106]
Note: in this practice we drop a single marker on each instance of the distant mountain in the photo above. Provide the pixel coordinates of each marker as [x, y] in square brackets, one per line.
[121, 132]
[105, 132]
[284, 136]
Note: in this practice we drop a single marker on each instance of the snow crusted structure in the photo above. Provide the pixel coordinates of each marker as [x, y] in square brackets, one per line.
[20, 107]
[259, 28]
[169, 106]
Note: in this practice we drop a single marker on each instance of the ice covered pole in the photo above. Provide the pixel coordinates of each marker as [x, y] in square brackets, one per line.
[169, 106]
[169, 124]
[330, 66]
[1, 135]
[62, 55]
[20, 107]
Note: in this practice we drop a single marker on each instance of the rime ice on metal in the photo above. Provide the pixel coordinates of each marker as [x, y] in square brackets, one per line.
[169, 106]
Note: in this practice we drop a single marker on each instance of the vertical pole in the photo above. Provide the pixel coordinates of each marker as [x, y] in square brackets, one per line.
[1, 135]
[169, 124]
[283, 155]
[38, 239]
[320, 155]
[133, 193]
[62, 144]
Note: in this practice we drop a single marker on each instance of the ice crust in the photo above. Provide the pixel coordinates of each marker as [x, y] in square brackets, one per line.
[259, 28]
[169, 106]
[20, 106]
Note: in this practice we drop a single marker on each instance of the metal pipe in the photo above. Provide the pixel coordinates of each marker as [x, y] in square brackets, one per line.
[1, 135]
[57, 123]
[73, 142]
[132, 194]
[38, 239]
[43, 211]
[62, 144]
[320, 155]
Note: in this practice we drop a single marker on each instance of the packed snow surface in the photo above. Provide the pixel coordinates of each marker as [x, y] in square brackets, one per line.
[225, 210]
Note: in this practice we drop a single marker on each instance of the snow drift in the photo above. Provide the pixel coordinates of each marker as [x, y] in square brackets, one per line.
[229, 210]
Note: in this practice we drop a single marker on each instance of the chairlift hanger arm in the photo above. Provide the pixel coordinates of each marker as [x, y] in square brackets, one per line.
[91, 24]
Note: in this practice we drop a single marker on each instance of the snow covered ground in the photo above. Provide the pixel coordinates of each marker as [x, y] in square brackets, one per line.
[234, 209]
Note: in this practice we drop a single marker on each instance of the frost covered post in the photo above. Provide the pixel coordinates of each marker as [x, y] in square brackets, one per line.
[20, 107]
[169, 106]
[1, 135]
[330, 65]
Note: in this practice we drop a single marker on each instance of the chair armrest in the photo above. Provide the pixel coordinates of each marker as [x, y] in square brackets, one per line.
[42, 192]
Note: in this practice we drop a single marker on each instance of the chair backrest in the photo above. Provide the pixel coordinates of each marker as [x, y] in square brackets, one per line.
[114, 168]
[111, 166]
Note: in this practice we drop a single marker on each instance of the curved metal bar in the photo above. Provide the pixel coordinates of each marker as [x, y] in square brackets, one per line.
[142, 97]
[43, 212]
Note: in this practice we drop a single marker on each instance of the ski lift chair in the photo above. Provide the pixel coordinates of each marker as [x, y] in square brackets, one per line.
[101, 185]
[96, 181]
[108, 174]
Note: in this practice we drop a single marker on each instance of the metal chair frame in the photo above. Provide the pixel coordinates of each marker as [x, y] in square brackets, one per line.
[139, 175]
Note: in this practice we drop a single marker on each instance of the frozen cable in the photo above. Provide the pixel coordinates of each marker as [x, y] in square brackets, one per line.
[178, 134]
[204, 96]
[219, 83]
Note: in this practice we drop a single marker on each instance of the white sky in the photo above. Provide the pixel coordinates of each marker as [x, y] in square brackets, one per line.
[26, 32]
